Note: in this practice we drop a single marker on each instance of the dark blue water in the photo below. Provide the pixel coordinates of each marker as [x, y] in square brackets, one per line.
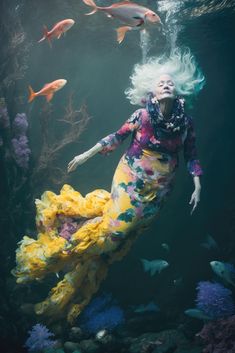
[98, 70]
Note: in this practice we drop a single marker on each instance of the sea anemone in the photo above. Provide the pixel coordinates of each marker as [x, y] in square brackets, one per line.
[214, 300]
[101, 313]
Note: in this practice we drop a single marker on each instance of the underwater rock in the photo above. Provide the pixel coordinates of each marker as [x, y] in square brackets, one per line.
[89, 346]
[162, 342]
[106, 340]
[71, 346]
[27, 308]
[139, 324]
[75, 333]
[189, 350]
[57, 329]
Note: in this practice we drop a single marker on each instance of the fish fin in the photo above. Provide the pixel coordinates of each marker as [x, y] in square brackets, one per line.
[32, 94]
[59, 35]
[121, 32]
[92, 4]
[46, 85]
[91, 13]
[153, 271]
[145, 264]
[49, 97]
[140, 19]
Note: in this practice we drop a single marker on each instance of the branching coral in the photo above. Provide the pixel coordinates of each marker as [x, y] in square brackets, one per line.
[75, 122]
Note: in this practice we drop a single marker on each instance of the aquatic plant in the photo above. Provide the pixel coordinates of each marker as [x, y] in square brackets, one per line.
[214, 300]
[39, 339]
[75, 122]
[218, 336]
[101, 313]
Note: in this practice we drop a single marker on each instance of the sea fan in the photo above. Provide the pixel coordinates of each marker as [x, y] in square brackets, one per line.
[214, 300]
[39, 339]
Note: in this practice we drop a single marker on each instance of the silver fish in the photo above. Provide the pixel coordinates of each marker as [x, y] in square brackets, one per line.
[154, 266]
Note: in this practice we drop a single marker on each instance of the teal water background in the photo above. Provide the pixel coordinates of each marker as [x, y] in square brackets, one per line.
[98, 70]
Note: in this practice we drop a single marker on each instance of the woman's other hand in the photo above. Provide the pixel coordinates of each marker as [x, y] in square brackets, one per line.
[195, 198]
[78, 160]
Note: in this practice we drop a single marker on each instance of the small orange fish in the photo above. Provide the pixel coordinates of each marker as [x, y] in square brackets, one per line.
[134, 16]
[58, 29]
[47, 90]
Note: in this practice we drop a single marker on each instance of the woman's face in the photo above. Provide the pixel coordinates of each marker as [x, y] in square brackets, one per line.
[165, 88]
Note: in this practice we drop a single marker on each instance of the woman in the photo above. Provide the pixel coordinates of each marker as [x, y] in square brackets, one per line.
[86, 234]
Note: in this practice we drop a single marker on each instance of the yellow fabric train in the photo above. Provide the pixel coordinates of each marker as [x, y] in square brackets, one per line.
[100, 223]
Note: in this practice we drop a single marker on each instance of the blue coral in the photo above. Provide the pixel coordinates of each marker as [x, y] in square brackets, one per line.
[214, 300]
[39, 339]
[101, 313]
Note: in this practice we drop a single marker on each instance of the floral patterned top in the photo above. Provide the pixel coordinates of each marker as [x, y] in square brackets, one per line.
[149, 136]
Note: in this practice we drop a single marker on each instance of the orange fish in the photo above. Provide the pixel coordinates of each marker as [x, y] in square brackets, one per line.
[58, 29]
[47, 90]
[134, 16]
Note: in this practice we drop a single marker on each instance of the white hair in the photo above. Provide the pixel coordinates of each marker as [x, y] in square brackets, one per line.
[181, 66]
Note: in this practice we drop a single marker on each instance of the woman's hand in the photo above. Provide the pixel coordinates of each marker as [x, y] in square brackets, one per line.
[78, 160]
[195, 198]
[82, 158]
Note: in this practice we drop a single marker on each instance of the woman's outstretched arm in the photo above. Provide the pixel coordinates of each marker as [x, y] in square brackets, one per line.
[108, 143]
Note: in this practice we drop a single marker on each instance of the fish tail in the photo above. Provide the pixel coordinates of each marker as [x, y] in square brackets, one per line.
[46, 35]
[92, 4]
[146, 265]
[32, 94]
[121, 32]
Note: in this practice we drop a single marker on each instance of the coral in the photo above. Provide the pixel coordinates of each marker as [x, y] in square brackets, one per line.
[21, 150]
[74, 122]
[214, 300]
[39, 339]
[20, 124]
[219, 336]
[101, 313]
[4, 117]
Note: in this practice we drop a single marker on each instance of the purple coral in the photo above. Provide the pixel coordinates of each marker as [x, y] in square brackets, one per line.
[219, 336]
[19, 142]
[39, 339]
[20, 124]
[4, 117]
[101, 313]
[21, 151]
[214, 300]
